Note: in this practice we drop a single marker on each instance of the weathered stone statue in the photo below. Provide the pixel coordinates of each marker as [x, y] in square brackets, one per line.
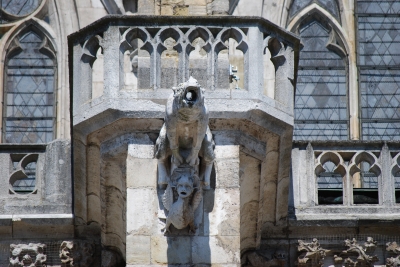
[185, 153]
[181, 210]
[185, 134]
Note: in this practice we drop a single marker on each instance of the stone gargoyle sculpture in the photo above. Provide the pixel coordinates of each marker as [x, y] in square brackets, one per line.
[181, 208]
[185, 134]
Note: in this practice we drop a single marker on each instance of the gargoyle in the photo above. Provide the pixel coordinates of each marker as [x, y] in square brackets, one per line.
[181, 210]
[185, 134]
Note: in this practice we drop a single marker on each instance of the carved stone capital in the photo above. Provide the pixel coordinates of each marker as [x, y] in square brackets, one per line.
[21, 255]
[363, 259]
[76, 253]
[311, 252]
[394, 248]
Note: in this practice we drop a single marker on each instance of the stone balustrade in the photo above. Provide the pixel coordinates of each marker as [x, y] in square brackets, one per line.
[349, 180]
[229, 56]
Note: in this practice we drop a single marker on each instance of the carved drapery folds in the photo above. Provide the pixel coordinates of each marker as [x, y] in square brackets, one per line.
[185, 153]
[311, 252]
[30, 255]
[76, 253]
[356, 255]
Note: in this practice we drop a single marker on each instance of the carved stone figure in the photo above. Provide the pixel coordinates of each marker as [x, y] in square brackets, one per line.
[394, 248]
[21, 255]
[313, 253]
[76, 253]
[363, 259]
[189, 195]
[185, 134]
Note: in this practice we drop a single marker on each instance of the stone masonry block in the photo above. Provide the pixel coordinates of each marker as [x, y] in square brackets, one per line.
[141, 172]
[137, 249]
[226, 152]
[197, 10]
[170, 250]
[216, 250]
[141, 211]
[225, 216]
[196, 2]
[227, 173]
[141, 151]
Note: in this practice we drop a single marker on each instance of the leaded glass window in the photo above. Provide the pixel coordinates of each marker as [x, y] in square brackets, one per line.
[29, 113]
[330, 5]
[15, 9]
[321, 91]
[379, 65]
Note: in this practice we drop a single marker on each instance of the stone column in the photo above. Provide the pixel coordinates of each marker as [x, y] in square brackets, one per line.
[141, 203]
[110, 46]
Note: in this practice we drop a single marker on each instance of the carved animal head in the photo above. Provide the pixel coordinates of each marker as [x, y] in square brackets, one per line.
[184, 186]
[189, 94]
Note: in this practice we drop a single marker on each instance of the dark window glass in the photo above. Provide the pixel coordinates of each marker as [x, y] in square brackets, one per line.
[378, 47]
[29, 94]
[321, 101]
[365, 185]
[330, 186]
[26, 185]
[330, 5]
[19, 7]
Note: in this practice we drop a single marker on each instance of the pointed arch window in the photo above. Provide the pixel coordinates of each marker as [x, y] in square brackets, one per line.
[29, 100]
[321, 91]
[331, 6]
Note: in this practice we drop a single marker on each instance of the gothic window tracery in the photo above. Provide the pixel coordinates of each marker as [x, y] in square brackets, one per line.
[329, 5]
[321, 93]
[29, 100]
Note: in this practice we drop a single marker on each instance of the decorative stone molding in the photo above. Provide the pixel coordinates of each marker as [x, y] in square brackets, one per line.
[311, 252]
[363, 259]
[76, 253]
[21, 255]
[185, 136]
[394, 248]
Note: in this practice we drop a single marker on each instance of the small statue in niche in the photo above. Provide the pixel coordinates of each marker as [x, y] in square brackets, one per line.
[181, 198]
[185, 134]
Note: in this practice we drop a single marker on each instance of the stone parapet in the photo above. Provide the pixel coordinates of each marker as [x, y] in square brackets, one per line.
[345, 182]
